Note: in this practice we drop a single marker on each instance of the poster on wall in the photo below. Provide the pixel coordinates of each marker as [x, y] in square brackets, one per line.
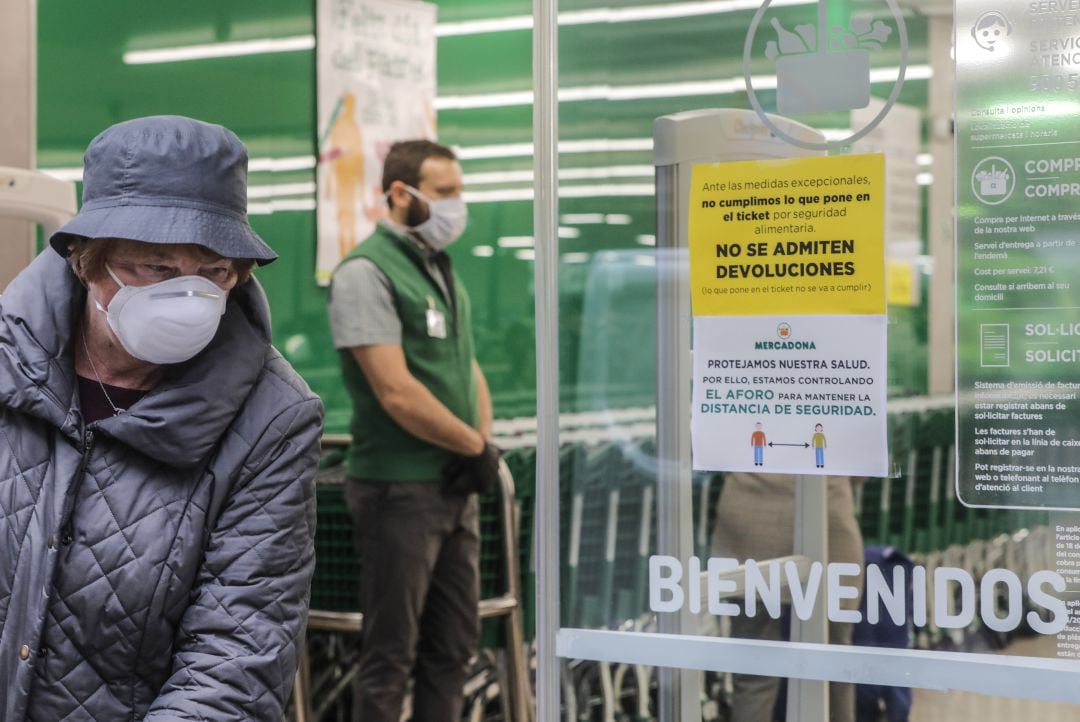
[376, 85]
[787, 272]
[1018, 255]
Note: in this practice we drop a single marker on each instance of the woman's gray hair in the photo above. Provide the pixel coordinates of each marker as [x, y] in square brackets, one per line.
[88, 256]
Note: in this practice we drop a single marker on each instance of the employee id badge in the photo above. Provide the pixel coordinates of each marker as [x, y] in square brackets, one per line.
[436, 320]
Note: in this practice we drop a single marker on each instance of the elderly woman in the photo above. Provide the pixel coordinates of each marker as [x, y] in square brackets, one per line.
[156, 452]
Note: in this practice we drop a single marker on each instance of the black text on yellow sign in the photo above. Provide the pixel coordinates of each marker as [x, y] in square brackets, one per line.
[800, 236]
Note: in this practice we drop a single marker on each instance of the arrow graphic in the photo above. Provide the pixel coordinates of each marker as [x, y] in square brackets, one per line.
[804, 444]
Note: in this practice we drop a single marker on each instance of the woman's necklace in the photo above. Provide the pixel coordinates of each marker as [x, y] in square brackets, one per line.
[116, 410]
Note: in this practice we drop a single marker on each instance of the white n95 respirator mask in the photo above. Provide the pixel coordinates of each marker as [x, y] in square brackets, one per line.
[166, 322]
[446, 221]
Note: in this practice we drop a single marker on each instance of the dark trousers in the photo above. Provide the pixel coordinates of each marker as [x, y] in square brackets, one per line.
[419, 588]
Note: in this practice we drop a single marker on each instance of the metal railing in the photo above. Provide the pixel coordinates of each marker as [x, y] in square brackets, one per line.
[507, 606]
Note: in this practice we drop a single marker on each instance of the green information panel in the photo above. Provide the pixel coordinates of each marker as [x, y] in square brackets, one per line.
[1018, 261]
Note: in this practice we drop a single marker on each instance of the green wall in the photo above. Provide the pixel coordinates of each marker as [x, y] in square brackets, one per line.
[607, 345]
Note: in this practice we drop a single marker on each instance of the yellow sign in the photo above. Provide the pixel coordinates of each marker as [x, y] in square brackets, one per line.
[797, 236]
[903, 283]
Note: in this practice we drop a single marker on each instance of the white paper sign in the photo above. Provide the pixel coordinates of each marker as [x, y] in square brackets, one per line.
[788, 294]
[790, 394]
[376, 85]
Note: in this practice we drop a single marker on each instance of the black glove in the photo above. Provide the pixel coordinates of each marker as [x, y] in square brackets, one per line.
[464, 475]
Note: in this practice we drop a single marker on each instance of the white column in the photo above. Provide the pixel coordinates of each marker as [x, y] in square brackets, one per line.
[546, 270]
[18, 117]
[940, 225]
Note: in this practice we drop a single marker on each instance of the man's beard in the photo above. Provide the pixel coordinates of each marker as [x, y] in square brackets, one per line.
[416, 213]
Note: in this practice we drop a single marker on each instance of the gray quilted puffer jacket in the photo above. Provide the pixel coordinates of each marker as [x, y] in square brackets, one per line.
[155, 565]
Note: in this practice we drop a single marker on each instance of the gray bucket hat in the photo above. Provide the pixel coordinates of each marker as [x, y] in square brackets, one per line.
[167, 179]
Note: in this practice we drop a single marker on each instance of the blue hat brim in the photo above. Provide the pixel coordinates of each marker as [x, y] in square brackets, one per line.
[227, 235]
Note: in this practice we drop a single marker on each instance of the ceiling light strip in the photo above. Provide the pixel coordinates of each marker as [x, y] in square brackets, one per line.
[588, 145]
[601, 190]
[569, 174]
[655, 90]
[609, 15]
[296, 43]
[276, 206]
[255, 165]
[233, 49]
[277, 190]
[481, 27]
[278, 165]
[477, 152]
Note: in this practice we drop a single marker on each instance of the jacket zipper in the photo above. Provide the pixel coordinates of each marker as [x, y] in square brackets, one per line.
[67, 523]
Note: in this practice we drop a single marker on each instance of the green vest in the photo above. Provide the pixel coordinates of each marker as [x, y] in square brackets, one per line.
[381, 450]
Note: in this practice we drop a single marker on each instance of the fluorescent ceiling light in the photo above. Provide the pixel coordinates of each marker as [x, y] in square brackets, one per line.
[484, 100]
[508, 194]
[483, 251]
[468, 27]
[575, 258]
[605, 145]
[506, 176]
[609, 15]
[722, 86]
[516, 242]
[677, 90]
[525, 254]
[581, 218]
[582, 191]
[646, 239]
[277, 165]
[526, 176]
[644, 260]
[617, 219]
[270, 190]
[220, 50]
[508, 150]
[502, 150]
[611, 171]
[608, 191]
[274, 206]
[489, 25]
[255, 165]
[567, 232]
[924, 159]
[294, 204]
[664, 12]
[281, 189]
[524, 150]
[924, 179]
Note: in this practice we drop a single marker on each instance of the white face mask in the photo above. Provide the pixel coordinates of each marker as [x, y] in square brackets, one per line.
[166, 322]
[446, 222]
